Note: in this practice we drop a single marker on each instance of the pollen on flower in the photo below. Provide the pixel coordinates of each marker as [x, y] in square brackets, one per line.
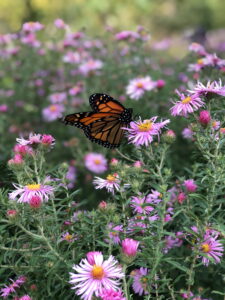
[97, 272]
[68, 237]
[53, 108]
[97, 161]
[139, 85]
[205, 247]
[145, 126]
[111, 178]
[200, 61]
[186, 100]
[33, 187]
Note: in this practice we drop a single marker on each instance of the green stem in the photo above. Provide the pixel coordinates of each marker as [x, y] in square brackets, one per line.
[125, 282]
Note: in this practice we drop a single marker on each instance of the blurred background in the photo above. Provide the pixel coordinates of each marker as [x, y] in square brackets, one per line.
[160, 17]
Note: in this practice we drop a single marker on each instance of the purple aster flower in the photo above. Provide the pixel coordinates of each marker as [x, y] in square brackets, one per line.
[7, 290]
[52, 112]
[91, 279]
[57, 98]
[24, 194]
[138, 86]
[211, 248]
[90, 67]
[187, 133]
[110, 294]
[143, 132]
[33, 139]
[187, 105]
[114, 232]
[111, 183]
[95, 162]
[139, 205]
[210, 89]
[140, 281]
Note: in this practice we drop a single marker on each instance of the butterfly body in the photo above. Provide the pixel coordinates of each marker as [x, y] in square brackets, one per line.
[104, 125]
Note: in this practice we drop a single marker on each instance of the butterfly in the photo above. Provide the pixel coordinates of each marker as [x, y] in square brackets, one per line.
[104, 125]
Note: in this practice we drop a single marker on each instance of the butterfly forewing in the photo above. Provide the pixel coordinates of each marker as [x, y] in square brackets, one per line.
[105, 103]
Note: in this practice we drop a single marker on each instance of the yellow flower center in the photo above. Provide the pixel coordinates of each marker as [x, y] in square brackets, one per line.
[114, 233]
[222, 130]
[111, 178]
[98, 272]
[97, 161]
[53, 108]
[139, 85]
[205, 247]
[186, 100]
[33, 187]
[146, 126]
[68, 237]
[200, 61]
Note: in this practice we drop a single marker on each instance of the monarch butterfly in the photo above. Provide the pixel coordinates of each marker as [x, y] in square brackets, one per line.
[104, 125]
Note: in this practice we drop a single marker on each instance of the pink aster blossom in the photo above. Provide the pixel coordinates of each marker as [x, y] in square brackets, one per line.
[198, 48]
[31, 40]
[57, 98]
[130, 247]
[210, 89]
[32, 139]
[68, 237]
[90, 67]
[23, 150]
[32, 26]
[3, 108]
[190, 185]
[91, 279]
[140, 281]
[110, 294]
[212, 248]
[111, 183]
[138, 86]
[187, 133]
[114, 233]
[140, 205]
[24, 194]
[17, 160]
[52, 112]
[95, 162]
[172, 242]
[25, 297]
[127, 35]
[91, 256]
[35, 202]
[72, 57]
[71, 176]
[142, 132]
[7, 290]
[186, 105]
[47, 140]
[59, 23]
[204, 118]
[215, 124]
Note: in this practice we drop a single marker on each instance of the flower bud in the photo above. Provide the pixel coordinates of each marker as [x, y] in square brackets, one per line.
[181, 197]
[35, 202]
[204, 118]
[102, 206]
[91, 256]
[169, 136]
[160, 83]
[129, 250]
[190, 185]
[11, 213]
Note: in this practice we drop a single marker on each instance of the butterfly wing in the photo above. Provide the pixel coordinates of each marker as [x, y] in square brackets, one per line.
[105, 103]
[107, 131]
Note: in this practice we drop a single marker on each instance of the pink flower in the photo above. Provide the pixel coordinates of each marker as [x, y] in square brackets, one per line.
[17, 160]
[25, 297]
[32, 26]
[90, 66]
[71, 176]
[52, 112]
[91, 279]
[172, 242]
[110, 294]
[142, 132]
[140, 205]
[35, 202]
[11, 213]
[181, 197]
[211, 248]
[210, 89]
[72, 57]
[95, 162]
[59, 23]
[140, 281]
[77, 89]
[160, 83]
[25, 193]
[187, 104]
[47, 140]
[68, 237]
[130, 247]
[138, 86]
[32, 139]
[198, 48]
[3, 108]
[187, 133]
[114, 232]
[204, 117]
[102, 205]
[127, 35]
[215, 124]
[111, 183]
[57, 98]
[91, 256]
[31, 40]
[7, 290]
[190, 185]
